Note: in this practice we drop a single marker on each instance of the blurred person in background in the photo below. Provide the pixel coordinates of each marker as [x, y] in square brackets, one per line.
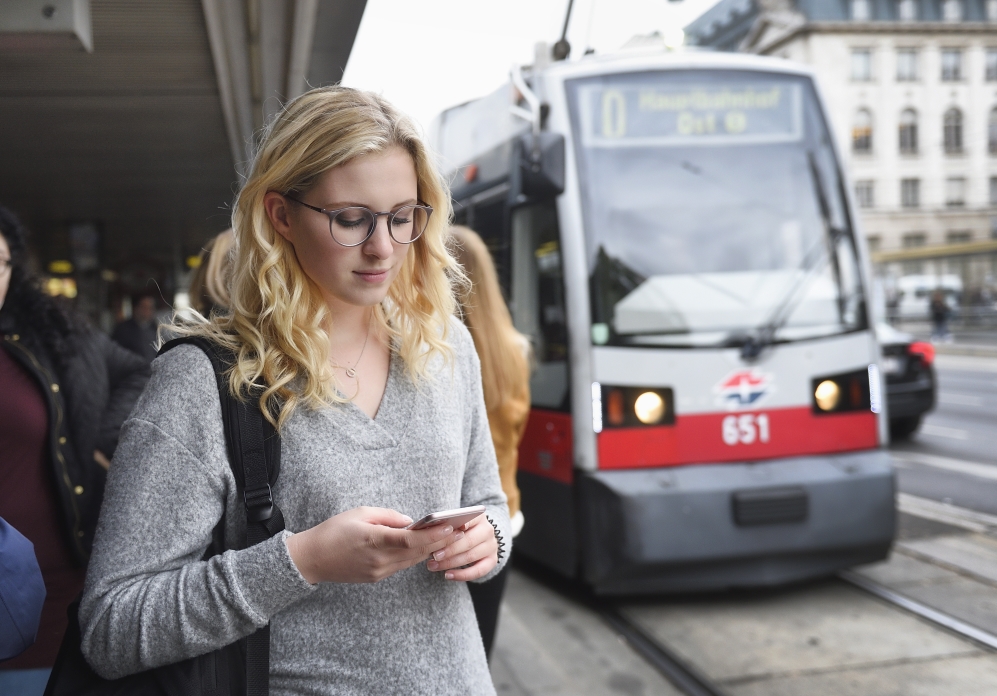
[209, 284]
[505, 376]
[65, 390]
[939, 310]
[139, 334]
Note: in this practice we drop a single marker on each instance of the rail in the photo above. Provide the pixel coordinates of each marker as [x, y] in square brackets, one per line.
[939, 618]
[691, 682]
[680, 673]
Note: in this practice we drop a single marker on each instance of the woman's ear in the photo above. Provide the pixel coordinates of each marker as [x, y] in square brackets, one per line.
[279, 213]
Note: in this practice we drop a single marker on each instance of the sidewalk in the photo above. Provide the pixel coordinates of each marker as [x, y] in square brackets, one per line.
[977, 342]
[980, 350]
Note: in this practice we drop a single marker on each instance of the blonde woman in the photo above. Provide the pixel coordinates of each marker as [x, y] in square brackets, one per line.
[342, 305]
[504, 354]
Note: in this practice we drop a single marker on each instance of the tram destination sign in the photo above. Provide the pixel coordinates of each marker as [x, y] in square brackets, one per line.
[643, 112]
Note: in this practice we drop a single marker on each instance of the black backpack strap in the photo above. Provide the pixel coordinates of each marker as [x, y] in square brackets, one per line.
[254, 455]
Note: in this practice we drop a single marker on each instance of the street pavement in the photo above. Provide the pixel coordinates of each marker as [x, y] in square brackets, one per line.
[953, 456]
[818, 638]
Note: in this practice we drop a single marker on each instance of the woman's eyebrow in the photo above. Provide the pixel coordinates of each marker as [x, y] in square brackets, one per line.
[356, 204]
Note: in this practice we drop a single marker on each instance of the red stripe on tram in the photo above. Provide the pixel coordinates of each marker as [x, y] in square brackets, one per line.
[750, 436]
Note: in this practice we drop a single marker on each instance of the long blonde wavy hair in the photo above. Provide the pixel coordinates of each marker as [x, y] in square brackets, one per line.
[278, 323]
[503, 351]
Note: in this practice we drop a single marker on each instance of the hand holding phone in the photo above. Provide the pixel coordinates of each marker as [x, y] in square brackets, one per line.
[472, 554]
[365, 544]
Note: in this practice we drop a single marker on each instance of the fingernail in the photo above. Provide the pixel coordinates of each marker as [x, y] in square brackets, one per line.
[458, 536]
[432, 565]
[447, 530]
[439, 555]
[408, 520]
[449, 576]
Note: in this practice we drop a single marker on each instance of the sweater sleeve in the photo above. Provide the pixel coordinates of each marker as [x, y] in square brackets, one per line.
[149, 599]
[481, 485]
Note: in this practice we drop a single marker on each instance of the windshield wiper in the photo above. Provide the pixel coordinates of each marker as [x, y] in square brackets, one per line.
[752, 344]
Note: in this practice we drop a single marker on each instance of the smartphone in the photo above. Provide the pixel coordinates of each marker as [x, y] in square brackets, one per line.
[454, 518]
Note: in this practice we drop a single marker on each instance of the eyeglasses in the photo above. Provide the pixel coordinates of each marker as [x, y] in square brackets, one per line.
[354, 225]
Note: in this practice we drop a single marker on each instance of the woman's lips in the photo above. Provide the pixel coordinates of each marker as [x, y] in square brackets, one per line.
[373, 276]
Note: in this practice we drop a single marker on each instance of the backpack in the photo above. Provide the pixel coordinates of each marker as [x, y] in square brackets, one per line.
[244, 666]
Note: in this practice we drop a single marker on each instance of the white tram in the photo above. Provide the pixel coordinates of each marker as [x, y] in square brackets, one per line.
[676, 235]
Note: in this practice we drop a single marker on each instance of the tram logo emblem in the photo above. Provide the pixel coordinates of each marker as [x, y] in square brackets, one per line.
[743, 388]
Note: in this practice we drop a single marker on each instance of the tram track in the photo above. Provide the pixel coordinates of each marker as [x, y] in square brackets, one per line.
[692, 682]
[683, 676]
[923, 611]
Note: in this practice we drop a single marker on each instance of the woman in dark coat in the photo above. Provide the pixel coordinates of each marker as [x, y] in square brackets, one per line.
[65, 390]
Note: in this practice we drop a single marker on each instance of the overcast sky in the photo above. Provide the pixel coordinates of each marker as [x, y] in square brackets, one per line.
[427, 55]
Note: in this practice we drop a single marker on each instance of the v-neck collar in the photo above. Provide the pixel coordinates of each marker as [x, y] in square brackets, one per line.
[388, 426]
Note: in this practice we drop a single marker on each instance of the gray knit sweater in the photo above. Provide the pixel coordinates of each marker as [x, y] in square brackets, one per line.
[150, 600]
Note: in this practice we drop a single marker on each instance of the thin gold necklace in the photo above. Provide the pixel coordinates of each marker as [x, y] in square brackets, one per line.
[351, 372]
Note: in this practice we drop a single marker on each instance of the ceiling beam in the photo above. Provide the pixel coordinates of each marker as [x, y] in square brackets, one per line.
[302, 39]
[226, 22]
[267, 52]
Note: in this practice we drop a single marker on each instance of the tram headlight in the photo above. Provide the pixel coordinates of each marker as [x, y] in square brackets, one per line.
[827, 395]
[628, 407]
[649, 408]
[848, 391]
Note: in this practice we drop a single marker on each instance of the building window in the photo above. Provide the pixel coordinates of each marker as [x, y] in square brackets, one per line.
[992, 131]
[952, 10]
[908, 132]
[914, 239]
[864, 194]
[951, 64]
[862, 132]
[992, 10]
[861, 10]
[960, 237]
[993, 190]
[955, 192]
[874, 242]
[991, 60]
[861, 64]
[910, 193]
[907, 10]
[907, 65]
[952, 132]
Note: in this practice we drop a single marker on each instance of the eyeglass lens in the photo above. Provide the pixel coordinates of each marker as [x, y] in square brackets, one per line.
[351, 226]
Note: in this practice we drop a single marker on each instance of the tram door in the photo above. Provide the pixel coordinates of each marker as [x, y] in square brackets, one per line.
[545, 457]
[537, 301]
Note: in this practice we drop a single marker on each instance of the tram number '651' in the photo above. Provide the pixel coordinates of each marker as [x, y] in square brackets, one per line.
[746, 429]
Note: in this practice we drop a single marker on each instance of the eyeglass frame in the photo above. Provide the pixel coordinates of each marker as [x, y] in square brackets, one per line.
[331, 214]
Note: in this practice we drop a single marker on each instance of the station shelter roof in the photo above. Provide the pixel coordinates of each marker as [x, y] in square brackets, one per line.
[139, 138]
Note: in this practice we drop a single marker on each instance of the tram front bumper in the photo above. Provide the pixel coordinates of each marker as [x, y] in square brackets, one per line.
[715, 526]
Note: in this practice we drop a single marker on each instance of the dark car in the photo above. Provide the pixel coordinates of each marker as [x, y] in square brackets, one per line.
[908, 366]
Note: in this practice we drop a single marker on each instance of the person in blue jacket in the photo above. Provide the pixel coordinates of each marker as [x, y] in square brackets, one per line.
[22, 592]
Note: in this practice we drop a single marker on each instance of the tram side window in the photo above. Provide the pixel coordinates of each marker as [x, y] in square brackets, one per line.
[538, 300]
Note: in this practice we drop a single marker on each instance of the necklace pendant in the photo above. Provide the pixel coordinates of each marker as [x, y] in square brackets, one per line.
[350, 372]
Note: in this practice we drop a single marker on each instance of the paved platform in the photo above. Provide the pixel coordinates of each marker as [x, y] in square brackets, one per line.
[547, 645]
[824, 638]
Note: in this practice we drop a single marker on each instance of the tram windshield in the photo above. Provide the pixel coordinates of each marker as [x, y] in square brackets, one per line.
[714, 210]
